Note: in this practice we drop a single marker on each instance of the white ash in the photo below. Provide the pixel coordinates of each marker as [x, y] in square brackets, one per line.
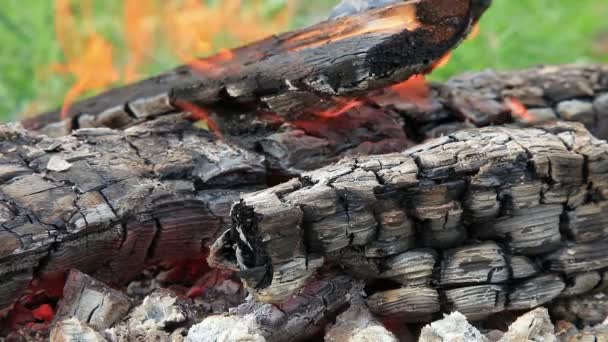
[226, 328]
[452, 328]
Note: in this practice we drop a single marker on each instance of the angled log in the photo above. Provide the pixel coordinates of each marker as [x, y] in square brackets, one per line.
[333, 215]
[345, 56]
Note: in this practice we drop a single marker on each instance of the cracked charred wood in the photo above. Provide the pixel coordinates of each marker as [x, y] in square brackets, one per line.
[427, 207]
[345, 56]
[116, 200]
[107, 201]
[91, 302]
[301, 316]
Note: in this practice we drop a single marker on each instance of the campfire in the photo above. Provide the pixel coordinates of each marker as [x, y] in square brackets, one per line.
[311, 185]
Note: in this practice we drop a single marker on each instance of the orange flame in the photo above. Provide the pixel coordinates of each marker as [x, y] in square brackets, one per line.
[88, 58]
[519, 110]
[184, 28]
[415, 90]
[342, 107]
[200, 114]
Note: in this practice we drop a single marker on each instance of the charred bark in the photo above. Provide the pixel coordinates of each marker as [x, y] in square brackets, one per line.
[106, 201]
[479, 221]
[346, 56]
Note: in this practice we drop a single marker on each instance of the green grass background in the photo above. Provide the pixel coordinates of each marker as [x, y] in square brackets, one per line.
[514, 34]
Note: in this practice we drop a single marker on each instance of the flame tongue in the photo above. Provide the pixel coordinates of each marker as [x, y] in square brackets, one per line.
[189, 28]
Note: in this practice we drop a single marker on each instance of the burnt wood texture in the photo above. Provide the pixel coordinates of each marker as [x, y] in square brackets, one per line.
[105, 201]
[478, 221]
[345, 56]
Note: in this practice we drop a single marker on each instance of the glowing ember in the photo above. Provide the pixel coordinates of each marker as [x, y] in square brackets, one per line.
[443, 61]
[44, 313]
[519, 110]
[474, 32]
[415, 90]
[213, 66]
[343, 107]
[200, 114]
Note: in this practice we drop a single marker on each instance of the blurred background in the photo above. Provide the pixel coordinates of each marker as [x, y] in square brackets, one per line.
[61, 50]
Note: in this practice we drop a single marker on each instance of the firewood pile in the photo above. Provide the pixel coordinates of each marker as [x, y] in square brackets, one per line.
[324, 200]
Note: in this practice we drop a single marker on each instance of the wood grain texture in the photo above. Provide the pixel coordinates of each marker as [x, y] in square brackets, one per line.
[164, 185]
[538, 177]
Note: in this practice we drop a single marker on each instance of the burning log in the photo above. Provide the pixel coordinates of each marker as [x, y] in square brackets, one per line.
[502, 205]
[569, 92]
[344, 56]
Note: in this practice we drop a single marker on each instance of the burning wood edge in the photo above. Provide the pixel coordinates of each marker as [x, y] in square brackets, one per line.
[345, 56]
[479, 221]
[567, 92]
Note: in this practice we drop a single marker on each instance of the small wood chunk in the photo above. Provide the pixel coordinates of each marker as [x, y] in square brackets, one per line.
[357, 190]
[150, 106]
[577, 110]
[536, 291]
[289, 278]
[478, 264]
[91, 301]
[476, 302]
[481, 204]
[412, 304]
[116, 117]
[526, 194]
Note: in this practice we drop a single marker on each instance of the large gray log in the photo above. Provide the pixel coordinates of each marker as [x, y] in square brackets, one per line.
[535, 178]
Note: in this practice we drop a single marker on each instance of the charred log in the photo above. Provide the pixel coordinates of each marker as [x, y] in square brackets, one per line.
[480, 218]
[346, 56]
